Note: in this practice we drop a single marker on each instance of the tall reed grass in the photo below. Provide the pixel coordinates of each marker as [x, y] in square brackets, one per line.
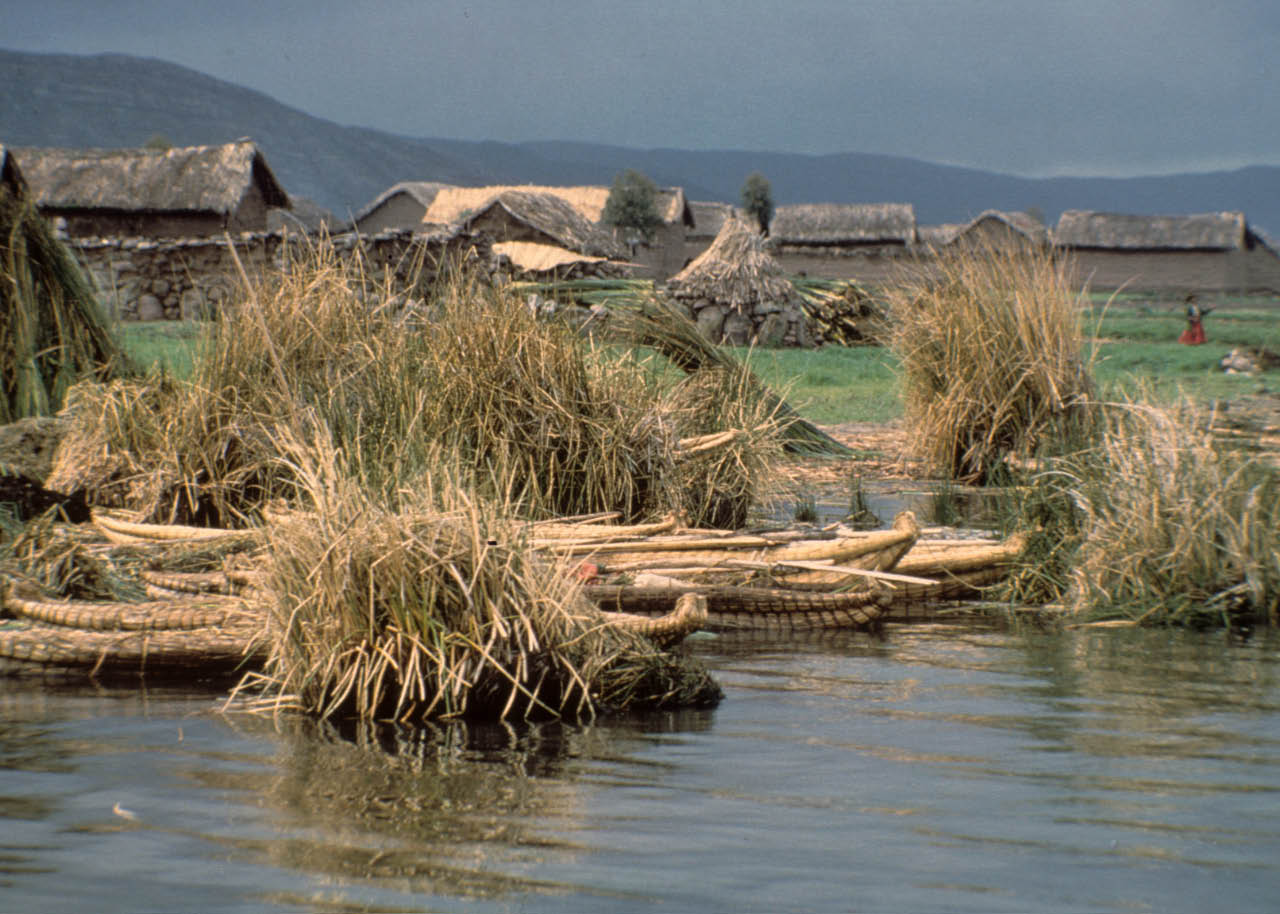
[436, 607]
[52, 330]
[1158, 522]
[989, 346]
[390, 448]
[534, 418]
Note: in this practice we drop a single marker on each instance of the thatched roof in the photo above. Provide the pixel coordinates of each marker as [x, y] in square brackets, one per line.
[1126, 231]
[193, 179]
[554, 218]
[10, 177]
[736, 270]
[303, 214]
[540, 258]
[844, 223]
[423, 192]
[708, 218]
[1017, 222]
[939, 235]
[451, 204]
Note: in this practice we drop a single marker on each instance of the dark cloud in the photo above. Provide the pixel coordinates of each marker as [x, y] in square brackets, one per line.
[1088, 87]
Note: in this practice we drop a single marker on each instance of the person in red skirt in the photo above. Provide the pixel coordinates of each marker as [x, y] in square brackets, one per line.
[1194, 334]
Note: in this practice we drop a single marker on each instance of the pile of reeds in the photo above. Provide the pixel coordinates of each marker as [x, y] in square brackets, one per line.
[1160, 521]
[52, 330]
[522, 405]
[396, 578]
[439, 607]
[990, 355]
[841, 311]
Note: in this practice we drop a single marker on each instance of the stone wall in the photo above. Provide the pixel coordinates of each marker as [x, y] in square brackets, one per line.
[191, 279]
[770, 324]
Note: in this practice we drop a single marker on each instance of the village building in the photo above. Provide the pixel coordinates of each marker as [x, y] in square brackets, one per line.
[998, 230]
[659, 258]
[1198, 252]
[190, 192]
[869, 242]
[531, 216]
[400, 206]
[303, 215]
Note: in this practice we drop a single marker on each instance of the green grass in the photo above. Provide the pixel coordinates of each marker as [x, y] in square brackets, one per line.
[833, 384]
[170, 345]
[1136, 344]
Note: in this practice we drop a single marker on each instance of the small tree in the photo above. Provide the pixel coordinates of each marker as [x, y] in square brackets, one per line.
[158, 142]
[633, 205]
[757, 200]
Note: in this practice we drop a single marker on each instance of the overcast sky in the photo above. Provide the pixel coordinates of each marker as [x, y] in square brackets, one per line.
[1032, 87]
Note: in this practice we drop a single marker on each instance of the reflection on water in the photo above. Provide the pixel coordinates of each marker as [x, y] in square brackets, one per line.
[954, 767]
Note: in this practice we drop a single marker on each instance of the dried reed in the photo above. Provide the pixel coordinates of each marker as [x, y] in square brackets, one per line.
[1174, 528]
[990, 354]
[437, 607]
[52, 330]
[532, 416]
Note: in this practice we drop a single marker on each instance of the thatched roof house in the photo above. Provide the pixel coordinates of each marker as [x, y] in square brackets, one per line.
[997, 228]
[843, 225]
[400, 206]
[843, 240]
[176, 193]
[11, 178]
[452, 204]
[737, 292]
[1210, 252]
[516, 215]
[659, 258]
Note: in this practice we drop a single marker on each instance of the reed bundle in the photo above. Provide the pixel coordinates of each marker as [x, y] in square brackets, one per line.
[52, 330]
[668, 329]
[990, 355]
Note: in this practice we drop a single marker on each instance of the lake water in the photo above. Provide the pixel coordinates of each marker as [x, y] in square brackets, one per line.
[943, 767]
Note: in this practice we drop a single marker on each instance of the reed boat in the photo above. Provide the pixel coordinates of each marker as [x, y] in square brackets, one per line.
[659, 580]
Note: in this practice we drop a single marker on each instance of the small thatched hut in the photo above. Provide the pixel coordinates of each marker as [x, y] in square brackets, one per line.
[516, 215]
[999, 229]
[863, 241]
[661, 257]
[1201, 252]
[738, 294]
[400, 206]
[195, 191]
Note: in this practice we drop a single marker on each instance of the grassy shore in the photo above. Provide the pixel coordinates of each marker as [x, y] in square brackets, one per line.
[1135, 344]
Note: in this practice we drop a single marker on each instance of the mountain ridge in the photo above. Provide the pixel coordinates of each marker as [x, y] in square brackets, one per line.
[119, 100]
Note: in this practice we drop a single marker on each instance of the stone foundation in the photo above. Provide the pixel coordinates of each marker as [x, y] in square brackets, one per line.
[144, 279]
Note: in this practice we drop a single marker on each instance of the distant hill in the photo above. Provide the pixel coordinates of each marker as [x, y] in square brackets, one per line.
[117, 100]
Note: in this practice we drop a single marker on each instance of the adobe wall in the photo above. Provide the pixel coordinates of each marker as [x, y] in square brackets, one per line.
[873, 266]
[396, 212]
[1153, 271]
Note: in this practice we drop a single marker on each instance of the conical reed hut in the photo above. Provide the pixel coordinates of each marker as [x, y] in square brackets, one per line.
[738, 294]
[52, 330]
